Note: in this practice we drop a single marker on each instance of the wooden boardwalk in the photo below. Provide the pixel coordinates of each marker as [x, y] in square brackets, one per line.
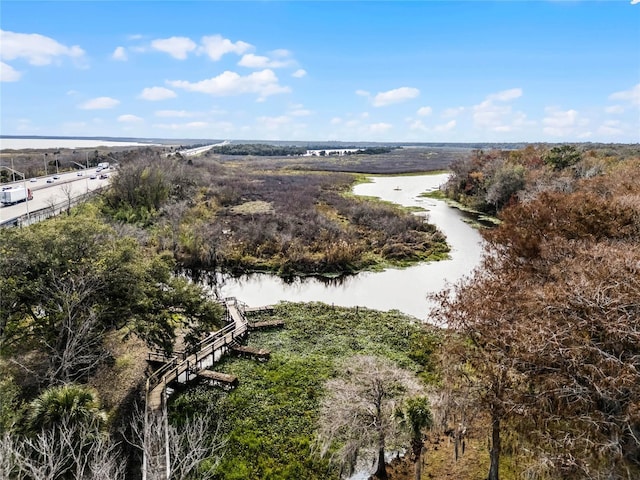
[156, 461]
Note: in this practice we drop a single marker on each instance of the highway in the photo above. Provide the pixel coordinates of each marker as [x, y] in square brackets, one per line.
[69, 185]
[198, 150]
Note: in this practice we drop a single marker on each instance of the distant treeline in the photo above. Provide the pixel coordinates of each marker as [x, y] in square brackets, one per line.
[260, 149]
[265, 150]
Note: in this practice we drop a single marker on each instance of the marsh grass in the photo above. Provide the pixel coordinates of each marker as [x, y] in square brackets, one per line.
[270, 419]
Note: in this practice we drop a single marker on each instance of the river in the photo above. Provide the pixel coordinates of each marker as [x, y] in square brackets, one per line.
[403, 289]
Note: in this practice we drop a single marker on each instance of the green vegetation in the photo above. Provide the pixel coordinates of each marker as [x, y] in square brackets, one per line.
[271, 417]
[539, 359]
[67, 282]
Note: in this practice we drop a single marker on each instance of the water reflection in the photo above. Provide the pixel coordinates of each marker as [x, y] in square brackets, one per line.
[405, 289]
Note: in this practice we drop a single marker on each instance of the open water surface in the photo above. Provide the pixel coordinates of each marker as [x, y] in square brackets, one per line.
[403, 289]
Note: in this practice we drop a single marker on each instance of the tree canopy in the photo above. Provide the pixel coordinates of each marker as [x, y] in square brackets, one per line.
[67, 282]
[550, 327]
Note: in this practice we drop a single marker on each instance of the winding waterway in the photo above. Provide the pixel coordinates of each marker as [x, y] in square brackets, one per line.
[404, 289]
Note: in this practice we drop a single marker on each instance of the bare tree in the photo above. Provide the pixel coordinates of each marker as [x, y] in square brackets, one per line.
[196, 440]
[69, 450]
[360, 413]
[76, 349]
[67, 191]
[8, 458]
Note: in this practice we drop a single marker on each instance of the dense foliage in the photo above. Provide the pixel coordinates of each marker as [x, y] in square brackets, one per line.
[260, 149]
[67, 282]
[550, 327]
[488, 181]
[239, 217]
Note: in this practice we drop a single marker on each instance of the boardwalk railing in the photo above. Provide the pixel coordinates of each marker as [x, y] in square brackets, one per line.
[157, 463]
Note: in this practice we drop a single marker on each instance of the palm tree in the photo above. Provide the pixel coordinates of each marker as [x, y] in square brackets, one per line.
[417, 417]
[75, 404]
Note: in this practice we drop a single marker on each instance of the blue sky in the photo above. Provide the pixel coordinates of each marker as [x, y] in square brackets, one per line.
[420, 71]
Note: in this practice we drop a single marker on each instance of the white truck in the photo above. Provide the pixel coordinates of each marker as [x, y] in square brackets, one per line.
[103, 166]
[14, 195]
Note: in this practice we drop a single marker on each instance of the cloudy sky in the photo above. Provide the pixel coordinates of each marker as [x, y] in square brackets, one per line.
[420, 71]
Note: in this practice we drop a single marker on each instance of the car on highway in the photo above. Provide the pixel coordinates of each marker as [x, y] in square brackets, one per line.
[50, 180]
[79, 174]
[103, 176]
[93, 176]
[33, 180]
[56, 177]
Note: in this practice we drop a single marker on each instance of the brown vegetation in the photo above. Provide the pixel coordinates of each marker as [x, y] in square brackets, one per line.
[547, 332]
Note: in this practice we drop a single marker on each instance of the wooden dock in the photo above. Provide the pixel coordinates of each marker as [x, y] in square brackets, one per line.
[266, 308]
[250, 352]
[266, 324]
[218, 379]
[156, 463]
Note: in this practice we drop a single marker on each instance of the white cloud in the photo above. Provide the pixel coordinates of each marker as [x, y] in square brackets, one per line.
[215, 46]
[452, 112]
[380, 127]
[119, 54]
[489, 115]
[424, 111]
[264, 83]
[254, 61]
[634, 2]
[562, 123]
[632, 95]
[615, 109]
[299, 73]
[300, 112]
[336, 121]
[36, 49]
[176, 113]
[445, 127]
[506, 95]
[177, 47]
[8, 73]
[156, 93]
[281, 53]
[258, 61]
[498, 117]
[99, 103]
[396, 95]
[363, 93]
[418, 125]
[611, 127]
[129, 118]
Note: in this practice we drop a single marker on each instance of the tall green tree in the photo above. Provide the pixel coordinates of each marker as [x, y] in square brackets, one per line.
[68, 281]
[417, 417]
